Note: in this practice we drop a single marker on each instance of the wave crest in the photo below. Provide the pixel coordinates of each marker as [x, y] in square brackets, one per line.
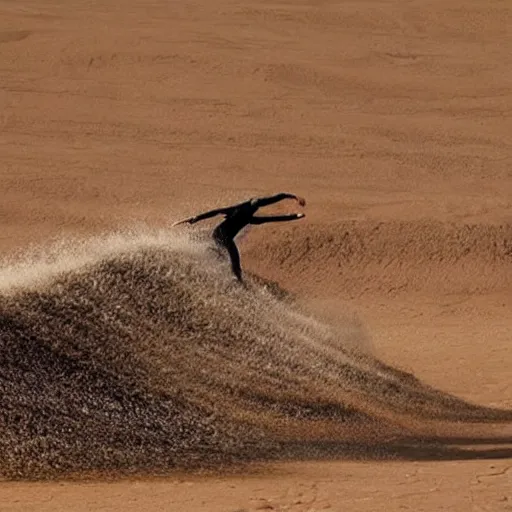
[142, 354]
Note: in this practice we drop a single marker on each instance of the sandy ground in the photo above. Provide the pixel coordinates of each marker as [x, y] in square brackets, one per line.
[392, 118]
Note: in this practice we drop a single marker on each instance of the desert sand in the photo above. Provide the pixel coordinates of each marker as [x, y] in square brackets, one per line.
[393, 119]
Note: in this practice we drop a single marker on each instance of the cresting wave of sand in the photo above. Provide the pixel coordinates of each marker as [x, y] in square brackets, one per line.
[138, 353]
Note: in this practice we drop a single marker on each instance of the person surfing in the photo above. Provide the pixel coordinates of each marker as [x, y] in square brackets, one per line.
[237, 217]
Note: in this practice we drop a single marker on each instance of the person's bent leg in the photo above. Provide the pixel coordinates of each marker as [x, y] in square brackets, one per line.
[235, 259]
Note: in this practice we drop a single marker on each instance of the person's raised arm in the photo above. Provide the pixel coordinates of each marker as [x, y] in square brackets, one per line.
[276, 218]
[205, 215]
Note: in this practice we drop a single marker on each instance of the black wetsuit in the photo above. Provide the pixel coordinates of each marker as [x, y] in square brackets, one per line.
[239, 216]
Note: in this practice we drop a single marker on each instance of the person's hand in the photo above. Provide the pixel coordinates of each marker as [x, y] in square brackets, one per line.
[190, 220]
[301, 201]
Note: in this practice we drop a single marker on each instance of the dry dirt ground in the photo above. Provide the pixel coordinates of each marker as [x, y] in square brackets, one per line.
[393, 119]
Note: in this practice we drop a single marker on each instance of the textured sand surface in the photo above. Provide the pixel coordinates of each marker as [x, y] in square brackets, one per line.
[393, 119]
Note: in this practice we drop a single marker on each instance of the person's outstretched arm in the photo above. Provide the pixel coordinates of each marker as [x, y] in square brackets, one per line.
[205, 215]
[265, 201]
[276, 218]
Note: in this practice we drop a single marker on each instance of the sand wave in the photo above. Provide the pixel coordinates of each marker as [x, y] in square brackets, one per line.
[141, 353]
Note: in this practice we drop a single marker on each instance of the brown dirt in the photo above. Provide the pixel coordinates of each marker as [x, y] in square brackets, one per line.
[392, 119]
